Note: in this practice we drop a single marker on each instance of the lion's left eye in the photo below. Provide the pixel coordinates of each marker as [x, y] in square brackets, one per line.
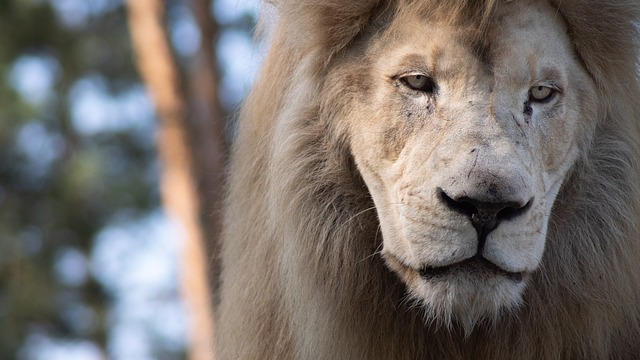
[541, 94]
[419, 82]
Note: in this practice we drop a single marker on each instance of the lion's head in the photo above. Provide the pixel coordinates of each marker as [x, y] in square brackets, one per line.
[463, 133]
[438, 179]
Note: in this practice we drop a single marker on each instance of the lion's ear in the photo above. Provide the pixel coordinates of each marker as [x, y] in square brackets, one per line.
[325, 26]
[605, 35]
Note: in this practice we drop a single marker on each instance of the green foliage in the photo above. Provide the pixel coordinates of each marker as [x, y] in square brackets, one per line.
[77, 161]
[60, 182]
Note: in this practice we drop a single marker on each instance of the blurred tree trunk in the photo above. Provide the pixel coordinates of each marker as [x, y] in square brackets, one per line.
[191, 145]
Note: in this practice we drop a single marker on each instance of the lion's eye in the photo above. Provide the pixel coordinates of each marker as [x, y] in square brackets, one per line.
[541, 94]
[419, 82]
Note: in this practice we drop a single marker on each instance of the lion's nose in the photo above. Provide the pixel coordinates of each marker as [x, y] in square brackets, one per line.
[485, 216]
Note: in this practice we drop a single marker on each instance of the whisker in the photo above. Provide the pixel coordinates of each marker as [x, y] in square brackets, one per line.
[376, 252]
[359, 213]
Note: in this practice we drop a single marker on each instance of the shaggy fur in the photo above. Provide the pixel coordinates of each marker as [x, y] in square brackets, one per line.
[302, 275]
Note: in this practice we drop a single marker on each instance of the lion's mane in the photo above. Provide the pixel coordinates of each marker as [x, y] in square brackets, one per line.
[301, 276]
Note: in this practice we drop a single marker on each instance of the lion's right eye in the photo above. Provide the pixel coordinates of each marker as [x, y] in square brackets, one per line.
[541, 94]
[419, 82]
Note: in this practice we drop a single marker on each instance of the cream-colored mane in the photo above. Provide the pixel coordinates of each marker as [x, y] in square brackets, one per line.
[334, 245]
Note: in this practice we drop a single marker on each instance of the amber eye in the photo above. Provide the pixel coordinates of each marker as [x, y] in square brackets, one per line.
[419, 82]
[541, 94]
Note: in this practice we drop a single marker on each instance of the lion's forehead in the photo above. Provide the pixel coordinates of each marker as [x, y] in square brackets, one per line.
[524, 42]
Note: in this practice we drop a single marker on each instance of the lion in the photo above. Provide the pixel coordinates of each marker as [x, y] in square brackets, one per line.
[437, 179]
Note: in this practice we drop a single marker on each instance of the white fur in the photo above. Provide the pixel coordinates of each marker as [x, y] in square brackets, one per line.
[333, 209]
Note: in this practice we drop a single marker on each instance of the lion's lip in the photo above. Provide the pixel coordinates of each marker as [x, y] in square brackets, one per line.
[474, 264]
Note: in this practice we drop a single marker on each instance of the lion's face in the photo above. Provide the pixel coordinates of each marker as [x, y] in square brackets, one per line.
[464, 146]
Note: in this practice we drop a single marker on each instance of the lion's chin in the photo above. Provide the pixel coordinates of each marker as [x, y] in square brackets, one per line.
[465, 294]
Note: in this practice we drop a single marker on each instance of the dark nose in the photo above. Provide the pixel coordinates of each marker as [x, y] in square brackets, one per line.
[484, 216]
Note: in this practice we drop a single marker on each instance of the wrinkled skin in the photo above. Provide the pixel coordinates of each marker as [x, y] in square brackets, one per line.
[463, 147]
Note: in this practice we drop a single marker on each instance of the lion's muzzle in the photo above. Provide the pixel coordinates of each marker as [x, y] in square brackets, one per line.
[485, 216]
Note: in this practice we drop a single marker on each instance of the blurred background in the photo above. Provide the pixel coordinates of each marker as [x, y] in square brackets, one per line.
[92, 92]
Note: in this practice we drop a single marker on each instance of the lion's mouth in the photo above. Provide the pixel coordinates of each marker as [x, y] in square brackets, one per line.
[477, 265]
